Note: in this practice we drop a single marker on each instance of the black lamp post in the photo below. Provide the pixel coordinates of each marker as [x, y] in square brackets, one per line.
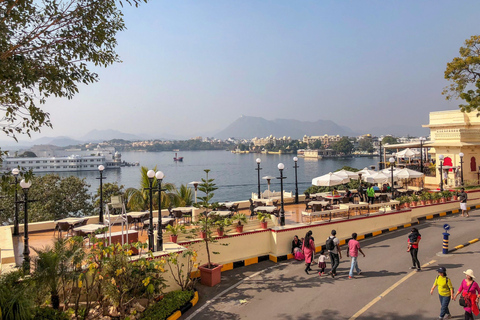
[281, 166]
[159, 175]
[380, 163]
[16, 232]
[422, 139]
[26, 249]
[258, 170]
[440, 158]
[295, 159]
[100, 169]
[461, 166]
[392, 165]
[150, 175]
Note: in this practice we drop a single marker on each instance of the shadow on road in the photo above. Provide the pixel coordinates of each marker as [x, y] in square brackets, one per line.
[327, 314]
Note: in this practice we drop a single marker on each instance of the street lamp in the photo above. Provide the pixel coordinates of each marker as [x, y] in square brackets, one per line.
[26, 249]
[380, 163]
[195, 185]
[16, 232]
[281, 166]
[258, 170]
[150, 175]
[159, 175]
[100, 169]
[441, 157]
[422, 139]
[392, 165]
[295, 159]
[461, 166]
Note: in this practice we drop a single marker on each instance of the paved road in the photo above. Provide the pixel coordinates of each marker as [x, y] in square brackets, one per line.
[283, 291]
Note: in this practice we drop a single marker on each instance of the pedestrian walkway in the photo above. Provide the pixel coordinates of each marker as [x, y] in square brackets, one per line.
[386, 289]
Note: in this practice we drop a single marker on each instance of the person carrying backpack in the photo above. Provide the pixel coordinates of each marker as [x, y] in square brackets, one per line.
[445, 292]
[333, 246]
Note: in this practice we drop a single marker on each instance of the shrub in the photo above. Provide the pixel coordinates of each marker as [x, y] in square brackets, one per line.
[164, 308]
[49, 314]
[16, 297]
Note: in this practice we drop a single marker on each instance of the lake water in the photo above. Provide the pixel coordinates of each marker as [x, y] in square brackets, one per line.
[234, 174]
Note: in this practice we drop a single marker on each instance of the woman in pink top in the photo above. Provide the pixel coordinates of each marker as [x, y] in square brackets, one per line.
[470, 291]
[308, 249]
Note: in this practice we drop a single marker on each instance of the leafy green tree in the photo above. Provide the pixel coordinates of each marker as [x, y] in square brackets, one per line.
[139, 199]
[365, 144]
[317, 144]
[389, 140]
[46, 48]
[185, 194]
[464, 74]
[57, 197]
[344, 145]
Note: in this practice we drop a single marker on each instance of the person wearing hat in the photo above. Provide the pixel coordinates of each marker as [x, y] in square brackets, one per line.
[445, 292]
[470, 291]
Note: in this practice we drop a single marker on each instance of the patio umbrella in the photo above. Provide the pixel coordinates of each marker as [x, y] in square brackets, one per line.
[329, 180]
[388, 171]
[407, 153]
[407, 174]
[366, 172]
[268, 178]
[378, 177]
[346, 174]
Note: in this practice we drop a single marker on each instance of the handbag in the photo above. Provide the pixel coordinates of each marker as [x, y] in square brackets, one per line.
[462, 300]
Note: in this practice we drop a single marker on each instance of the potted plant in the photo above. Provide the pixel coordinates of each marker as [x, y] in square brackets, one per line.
[402, 201]
[455, 196]
[221, 224]
[174, 231]
[239, 218]
[210, 273]
[435, 197]
[427, 196]
[414, 200]
[447, 194]
[262, 217]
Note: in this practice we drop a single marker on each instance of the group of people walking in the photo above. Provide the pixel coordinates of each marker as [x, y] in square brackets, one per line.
[469, 290]
[304, 249]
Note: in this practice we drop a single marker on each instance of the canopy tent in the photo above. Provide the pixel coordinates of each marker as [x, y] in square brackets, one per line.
[329, 180]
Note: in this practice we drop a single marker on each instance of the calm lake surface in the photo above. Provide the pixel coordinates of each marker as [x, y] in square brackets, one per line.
[234, 174]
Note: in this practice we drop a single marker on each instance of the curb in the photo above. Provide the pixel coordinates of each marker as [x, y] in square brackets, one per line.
[463, 245]
[183, 309]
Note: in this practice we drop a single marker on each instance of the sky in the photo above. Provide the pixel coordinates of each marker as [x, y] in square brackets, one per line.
[193, 67]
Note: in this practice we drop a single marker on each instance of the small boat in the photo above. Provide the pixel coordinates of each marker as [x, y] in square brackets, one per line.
[177, 158]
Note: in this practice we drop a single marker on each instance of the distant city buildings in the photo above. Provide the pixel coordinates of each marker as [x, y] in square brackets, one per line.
[260, 142]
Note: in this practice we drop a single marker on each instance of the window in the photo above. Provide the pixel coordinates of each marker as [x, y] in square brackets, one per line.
[473, 164]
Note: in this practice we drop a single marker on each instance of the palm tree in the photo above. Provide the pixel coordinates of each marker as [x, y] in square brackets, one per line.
[139, 199]
[186, 195]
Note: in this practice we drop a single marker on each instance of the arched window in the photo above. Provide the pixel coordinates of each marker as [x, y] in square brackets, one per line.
[473, 164]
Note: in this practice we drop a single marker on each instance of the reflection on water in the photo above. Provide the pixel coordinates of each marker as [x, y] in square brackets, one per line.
[234, 174]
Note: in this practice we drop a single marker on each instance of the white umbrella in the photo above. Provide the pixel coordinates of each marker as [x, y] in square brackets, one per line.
[346, 174]
[407, 174]
[407, 153]
[366, 172]
[388, 171]
[329, 180]
[378, 177]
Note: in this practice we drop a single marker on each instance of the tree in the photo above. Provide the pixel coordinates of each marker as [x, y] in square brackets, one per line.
[464, 74]
[389, 140]
[56, 197]
[343, 146]
[186, 195]
[46, 48]
[317, 144]
[139, 199]
[366, 144]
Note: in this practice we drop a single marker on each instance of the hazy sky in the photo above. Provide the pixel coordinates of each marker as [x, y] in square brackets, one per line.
[191, 67]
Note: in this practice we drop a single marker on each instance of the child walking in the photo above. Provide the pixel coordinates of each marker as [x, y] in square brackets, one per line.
[322, 262]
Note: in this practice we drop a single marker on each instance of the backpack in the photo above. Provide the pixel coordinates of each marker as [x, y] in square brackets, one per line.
[330, 245]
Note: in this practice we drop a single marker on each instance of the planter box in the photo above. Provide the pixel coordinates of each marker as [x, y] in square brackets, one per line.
[210, 277]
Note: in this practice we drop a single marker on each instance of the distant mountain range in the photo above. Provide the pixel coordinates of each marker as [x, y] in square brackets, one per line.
[249, 127]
